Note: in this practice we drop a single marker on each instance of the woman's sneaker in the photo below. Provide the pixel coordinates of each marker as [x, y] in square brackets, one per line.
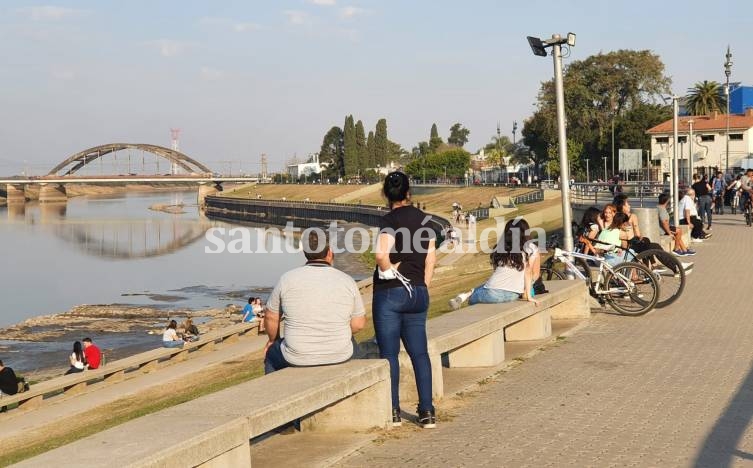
[690, 252]
[396, 419]
[427, 419]
[456, 302]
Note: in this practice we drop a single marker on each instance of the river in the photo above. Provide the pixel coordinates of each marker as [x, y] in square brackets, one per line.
[115, 250]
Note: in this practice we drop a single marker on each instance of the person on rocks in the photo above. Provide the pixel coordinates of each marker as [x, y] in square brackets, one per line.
[92, 354]
[77, 359]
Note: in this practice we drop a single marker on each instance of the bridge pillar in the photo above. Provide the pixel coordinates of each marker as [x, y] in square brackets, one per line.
[52, 193]
[204, 191]
[15, 193]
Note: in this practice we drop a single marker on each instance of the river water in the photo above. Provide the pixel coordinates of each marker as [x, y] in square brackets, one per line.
[115, 250]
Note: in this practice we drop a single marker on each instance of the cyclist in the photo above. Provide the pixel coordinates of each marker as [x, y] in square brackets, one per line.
[746, 185]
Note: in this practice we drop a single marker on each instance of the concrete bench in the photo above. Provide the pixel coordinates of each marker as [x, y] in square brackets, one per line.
[214, 430]
[475, 336]
[115, 371]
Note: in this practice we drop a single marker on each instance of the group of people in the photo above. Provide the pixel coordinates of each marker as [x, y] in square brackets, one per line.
[85, 355]
[173, 338]
[323, 309]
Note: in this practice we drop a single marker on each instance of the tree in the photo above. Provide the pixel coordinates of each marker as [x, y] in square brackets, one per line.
[598, 90]
[350, 147]
[381, 143]
[704, 98]
[370, 156]
[362, 157]
[331, 153]
[574, 156]
[455, 161]
[458, 135]
[434, 139]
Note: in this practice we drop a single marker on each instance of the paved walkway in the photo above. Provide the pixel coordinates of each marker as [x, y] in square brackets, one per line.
[672, 388]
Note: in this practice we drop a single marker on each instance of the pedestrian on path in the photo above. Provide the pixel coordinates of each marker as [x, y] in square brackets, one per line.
[405, 258]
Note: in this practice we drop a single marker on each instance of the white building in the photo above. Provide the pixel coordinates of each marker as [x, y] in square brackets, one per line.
[708, 142]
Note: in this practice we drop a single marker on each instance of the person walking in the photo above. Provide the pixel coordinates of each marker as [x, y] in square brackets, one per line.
[703, 192]
[405, 257]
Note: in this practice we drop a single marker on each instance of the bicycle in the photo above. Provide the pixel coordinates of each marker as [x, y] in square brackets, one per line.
[670, 275]
[630, 288]
[748, 210]
[735, 202]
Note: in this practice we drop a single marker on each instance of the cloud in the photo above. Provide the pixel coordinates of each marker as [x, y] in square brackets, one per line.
[169, 47]
[322, 2]
[211, 74]
[296, 17]
[50, 13]
[351, 12]
[229, 24]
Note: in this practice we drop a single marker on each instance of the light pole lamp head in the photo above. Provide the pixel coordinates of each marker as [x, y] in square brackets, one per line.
[571, 39]
[537, 46]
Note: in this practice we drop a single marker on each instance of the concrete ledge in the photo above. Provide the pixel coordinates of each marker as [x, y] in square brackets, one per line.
[116, 370]
[214, 430]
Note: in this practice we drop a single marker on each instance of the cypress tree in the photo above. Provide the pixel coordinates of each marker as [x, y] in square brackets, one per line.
[381, 143]
[350, 157]
[434, 140]
[362, 157]
[370, 155]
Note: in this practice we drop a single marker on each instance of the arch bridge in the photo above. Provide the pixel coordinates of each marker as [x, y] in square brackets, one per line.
[87, 156]
[52, 185]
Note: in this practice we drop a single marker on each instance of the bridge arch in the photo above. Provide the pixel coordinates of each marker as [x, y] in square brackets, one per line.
[82, 158]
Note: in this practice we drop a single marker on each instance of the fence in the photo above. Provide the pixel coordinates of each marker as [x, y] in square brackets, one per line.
[640, 194]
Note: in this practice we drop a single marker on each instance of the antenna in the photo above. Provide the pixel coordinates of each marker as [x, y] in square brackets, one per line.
[174, 137]
[264, 164]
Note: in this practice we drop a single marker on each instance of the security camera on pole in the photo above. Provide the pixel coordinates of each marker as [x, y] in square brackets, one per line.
[538, 47]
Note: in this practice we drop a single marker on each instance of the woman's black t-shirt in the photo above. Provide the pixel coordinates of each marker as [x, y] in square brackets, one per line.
[412, 236]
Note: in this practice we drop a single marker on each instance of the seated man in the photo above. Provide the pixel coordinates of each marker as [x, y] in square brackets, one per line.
[322, 308]
[689, 216]
[680, 248]
[92, 354]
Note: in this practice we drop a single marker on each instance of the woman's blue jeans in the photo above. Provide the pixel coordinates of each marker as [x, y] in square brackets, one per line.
[401, 317]
[483, 295]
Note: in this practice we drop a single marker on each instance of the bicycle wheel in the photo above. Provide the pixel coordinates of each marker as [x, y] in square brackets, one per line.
[549, 274]
[632, 289]
[668, 271]
[559, 269]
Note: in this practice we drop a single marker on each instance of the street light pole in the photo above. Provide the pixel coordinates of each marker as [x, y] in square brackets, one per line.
[727, 73]
[561, 132]
[690, 153]
[674, 174]
[588, 177]
[613, 116]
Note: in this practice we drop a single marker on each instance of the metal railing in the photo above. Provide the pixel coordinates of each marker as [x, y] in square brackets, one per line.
[639, 194]
[528, 197]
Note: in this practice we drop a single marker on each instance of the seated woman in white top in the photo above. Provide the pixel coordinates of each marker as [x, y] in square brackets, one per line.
[170, 338]
[76, 359]
[511, 279]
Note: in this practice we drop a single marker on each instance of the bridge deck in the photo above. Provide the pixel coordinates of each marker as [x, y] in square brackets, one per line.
[672, 388]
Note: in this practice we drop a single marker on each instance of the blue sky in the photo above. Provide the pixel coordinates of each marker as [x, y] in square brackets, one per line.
[241, 78]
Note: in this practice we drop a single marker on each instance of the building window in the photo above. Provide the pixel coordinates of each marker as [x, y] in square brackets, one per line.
[736, 136]
[707, 137]
[666, 139]
[682, 139]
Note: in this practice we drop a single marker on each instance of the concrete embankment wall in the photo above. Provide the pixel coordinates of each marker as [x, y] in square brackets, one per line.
[302, 214]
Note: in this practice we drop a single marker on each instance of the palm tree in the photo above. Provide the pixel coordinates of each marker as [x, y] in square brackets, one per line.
[704, 98]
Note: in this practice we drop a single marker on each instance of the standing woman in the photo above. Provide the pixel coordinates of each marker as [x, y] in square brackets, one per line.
[76, 359]
[405, 260]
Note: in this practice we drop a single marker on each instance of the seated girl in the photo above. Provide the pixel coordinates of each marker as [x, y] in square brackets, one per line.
[589, 230]
[511, 279]
[613, 234]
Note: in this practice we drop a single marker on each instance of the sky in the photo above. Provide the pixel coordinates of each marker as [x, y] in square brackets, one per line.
[242, 78]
